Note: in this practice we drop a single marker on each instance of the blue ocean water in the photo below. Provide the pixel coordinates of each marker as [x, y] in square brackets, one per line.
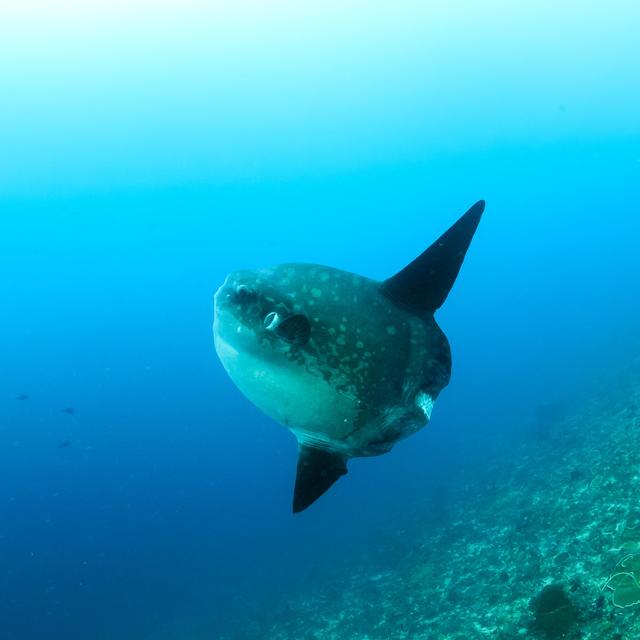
[148, 149]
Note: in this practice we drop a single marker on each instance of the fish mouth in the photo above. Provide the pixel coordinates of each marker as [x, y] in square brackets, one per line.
[227, 326]
[225, 322]
[223, 295]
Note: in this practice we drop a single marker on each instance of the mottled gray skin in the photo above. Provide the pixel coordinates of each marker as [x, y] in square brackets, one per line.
[365, 379]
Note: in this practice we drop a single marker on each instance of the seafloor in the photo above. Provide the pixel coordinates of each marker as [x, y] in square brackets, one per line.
[559, 507]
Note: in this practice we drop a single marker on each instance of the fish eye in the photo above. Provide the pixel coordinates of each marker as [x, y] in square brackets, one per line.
[271, 321]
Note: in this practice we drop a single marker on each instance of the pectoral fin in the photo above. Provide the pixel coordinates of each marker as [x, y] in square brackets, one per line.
[295, 329]
[317, 470]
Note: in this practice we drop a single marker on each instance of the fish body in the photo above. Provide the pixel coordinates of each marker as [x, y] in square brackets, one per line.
[349, 364]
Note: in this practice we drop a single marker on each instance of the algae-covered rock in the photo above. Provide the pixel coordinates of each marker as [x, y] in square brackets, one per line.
[553, 611]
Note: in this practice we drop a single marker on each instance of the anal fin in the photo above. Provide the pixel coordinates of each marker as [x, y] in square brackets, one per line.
[317, 470]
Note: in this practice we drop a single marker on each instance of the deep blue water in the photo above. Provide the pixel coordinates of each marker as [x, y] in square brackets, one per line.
[148, 150]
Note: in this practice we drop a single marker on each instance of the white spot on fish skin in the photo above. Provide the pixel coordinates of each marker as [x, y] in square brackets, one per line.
[316, 293]
[425, 403]
[359, 344]
[391, 330]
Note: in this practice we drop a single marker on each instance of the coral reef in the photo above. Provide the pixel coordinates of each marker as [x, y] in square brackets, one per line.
[562, 510]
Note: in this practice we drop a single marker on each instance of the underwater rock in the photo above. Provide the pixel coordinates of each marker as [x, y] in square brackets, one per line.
[553, 611]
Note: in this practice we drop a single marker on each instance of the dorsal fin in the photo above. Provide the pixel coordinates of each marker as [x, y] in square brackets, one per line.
[317, 470]
[423, 285]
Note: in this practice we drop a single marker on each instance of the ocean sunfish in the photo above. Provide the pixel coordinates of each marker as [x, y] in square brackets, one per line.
[350, 365]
